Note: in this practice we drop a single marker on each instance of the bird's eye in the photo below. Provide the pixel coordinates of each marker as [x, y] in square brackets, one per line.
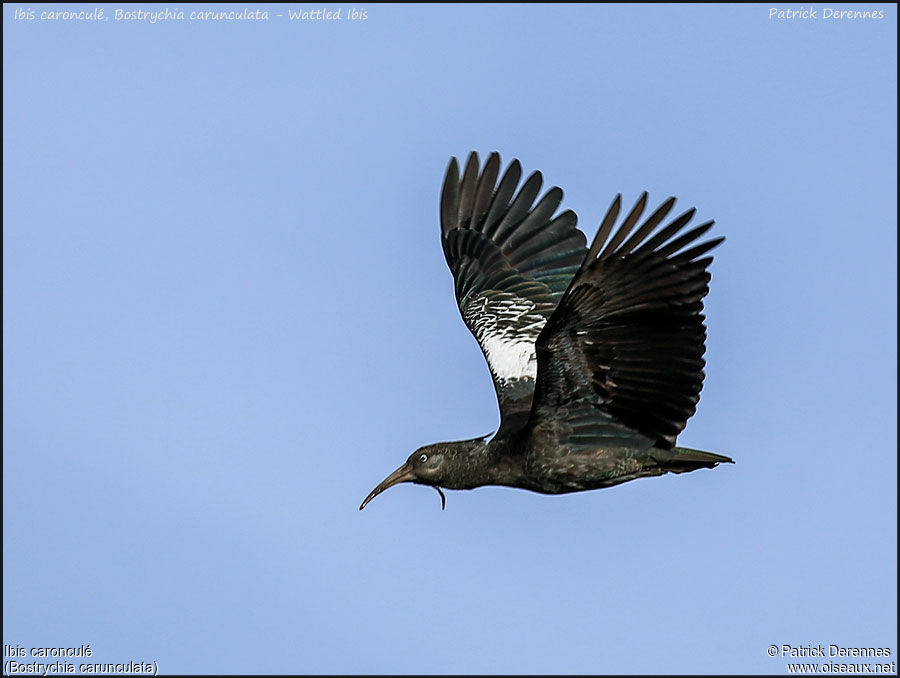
[423, 458]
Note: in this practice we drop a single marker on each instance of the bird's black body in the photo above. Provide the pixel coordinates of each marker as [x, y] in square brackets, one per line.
[596, 354]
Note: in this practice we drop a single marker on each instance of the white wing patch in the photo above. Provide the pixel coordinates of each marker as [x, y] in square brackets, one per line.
[506, 327]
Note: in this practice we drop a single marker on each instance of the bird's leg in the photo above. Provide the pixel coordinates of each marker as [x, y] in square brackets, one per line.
[443, 498]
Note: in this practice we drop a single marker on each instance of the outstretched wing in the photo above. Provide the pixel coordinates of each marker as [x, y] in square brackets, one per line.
[622, 354]
[511, 260]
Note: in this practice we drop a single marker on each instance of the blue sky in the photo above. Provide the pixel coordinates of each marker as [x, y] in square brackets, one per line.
[227, 316]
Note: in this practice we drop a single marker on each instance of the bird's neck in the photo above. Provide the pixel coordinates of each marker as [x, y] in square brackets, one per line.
[475, 463]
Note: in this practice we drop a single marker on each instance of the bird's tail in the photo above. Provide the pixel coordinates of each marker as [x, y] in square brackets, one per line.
[686, 459]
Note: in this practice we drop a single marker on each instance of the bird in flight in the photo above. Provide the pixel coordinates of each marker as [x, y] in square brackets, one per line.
[596, 353]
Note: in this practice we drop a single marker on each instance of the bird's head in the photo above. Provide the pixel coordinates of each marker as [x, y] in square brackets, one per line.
[426, 466]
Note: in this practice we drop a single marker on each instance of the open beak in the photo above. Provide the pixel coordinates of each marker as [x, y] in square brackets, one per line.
[404, 474]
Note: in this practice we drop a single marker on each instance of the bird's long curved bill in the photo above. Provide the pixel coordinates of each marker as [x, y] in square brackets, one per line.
[404, 474]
